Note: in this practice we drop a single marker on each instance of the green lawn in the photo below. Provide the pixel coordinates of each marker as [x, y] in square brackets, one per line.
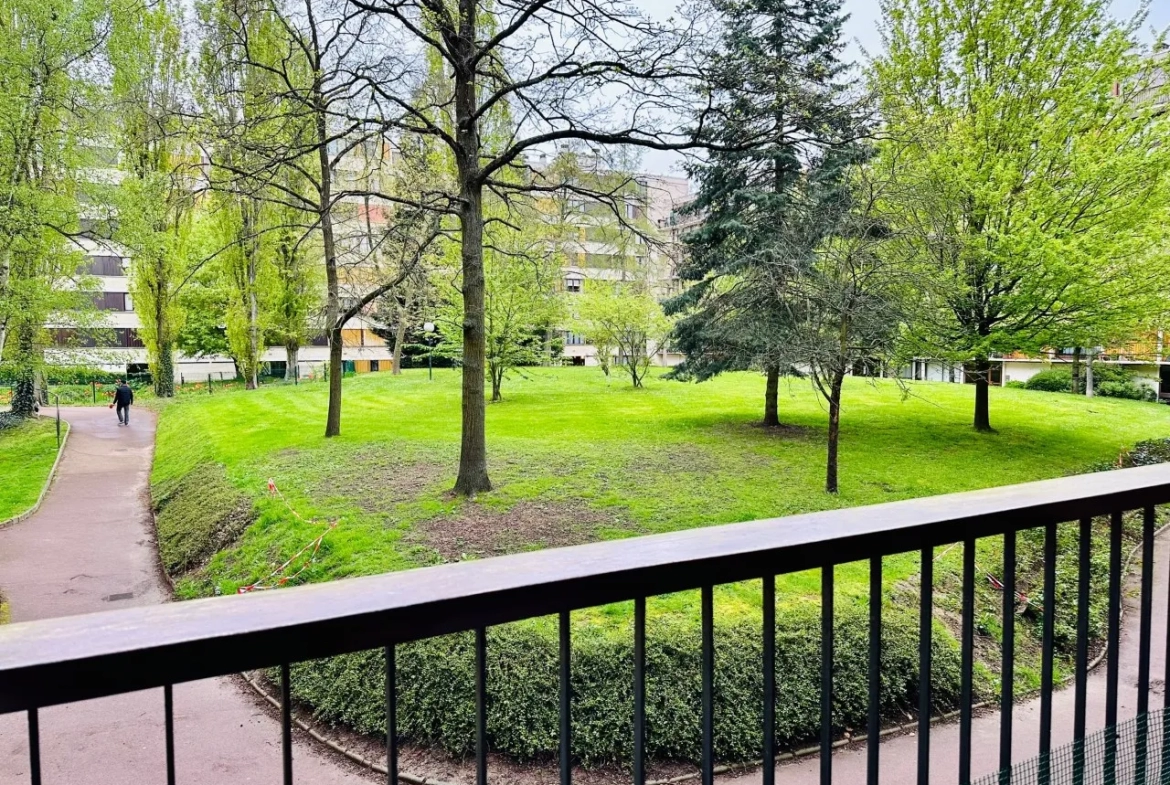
[576, 457]
[27, 453]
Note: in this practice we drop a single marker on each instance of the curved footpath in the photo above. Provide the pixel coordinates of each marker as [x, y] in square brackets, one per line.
[91, 547]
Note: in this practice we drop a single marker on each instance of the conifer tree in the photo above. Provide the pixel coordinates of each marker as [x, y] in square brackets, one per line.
[776, 86]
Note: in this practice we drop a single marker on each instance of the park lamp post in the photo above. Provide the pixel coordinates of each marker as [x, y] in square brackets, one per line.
[429, 327]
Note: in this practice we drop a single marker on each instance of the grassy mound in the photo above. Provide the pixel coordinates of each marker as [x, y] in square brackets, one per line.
[576, 458]
[27, 453]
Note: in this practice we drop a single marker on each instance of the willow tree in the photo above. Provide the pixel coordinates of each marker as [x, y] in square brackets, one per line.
[1033, 191]
[156, 194]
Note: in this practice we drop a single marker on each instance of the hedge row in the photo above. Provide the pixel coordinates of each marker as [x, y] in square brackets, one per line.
[436, 685]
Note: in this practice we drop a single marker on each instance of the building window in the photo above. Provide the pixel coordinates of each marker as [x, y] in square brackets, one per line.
[573, 284]
[375, 366]
[112, 301]
[106, 266]
[573, 339]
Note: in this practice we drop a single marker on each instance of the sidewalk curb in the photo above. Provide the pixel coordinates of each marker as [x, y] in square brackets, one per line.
[31, 511]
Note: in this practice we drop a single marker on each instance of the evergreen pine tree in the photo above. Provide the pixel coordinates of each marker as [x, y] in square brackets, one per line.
[776, 85]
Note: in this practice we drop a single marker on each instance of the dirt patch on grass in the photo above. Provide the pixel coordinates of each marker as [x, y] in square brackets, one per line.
[476, 531]
[374, 478]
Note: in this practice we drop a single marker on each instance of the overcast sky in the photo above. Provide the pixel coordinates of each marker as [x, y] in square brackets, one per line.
[861, 30]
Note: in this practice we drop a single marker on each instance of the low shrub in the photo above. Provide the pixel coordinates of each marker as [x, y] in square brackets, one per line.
[1130, 390]
[1051, 380]
[437, 688]
[198, 515]
[1109, 381]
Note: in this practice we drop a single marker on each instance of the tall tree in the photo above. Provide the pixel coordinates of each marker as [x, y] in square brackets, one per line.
[156, 195]
[591, 70]
[46, 49]
[1033, 192]
[776, 79]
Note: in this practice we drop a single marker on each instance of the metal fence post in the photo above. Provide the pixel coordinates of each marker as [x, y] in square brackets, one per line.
[209, 384]
[93, 388]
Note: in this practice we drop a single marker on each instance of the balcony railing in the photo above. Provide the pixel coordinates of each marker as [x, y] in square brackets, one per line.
[70, 659]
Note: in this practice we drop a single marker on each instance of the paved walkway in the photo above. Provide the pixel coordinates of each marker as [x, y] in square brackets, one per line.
[898, 762]
[91, 547]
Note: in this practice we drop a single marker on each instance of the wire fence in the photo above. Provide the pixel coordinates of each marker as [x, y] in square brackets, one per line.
[1127, 754]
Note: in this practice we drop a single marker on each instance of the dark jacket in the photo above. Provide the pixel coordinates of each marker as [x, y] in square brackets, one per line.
[123, 395]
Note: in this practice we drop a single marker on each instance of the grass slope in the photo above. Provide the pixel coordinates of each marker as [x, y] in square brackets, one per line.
[27, 453]
[601, 460]
[576, 457]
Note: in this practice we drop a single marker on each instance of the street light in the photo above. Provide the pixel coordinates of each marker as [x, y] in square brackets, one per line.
[429, 327]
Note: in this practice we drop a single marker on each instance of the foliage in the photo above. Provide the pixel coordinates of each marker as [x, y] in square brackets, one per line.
[204, 303]
[46, 49]
[624, 318]
[1034, 197]
[520, 304]
[778, 82]
[1108, 381]
[437, 687]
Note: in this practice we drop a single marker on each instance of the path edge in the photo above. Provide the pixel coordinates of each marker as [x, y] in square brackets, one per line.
[31, 511]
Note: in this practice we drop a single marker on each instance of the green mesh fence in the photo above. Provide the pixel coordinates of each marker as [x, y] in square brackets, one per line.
[1129, 754]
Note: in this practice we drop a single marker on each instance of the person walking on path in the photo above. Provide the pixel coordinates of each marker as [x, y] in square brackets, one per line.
[123, 397]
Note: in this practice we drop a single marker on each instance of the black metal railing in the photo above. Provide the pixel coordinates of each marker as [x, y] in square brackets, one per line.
[76, 658]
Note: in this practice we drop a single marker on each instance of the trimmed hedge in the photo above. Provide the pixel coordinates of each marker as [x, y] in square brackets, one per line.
[436, 685]
[198, 515]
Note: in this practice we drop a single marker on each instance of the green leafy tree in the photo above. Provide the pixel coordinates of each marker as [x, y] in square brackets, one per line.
[625, 316]
[1033, 192]
[777, 84]
[156, 195]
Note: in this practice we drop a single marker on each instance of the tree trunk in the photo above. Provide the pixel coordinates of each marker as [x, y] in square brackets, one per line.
[1076, 371]
[335, 372]
[253, 327]
[400, 336]
[771, 398]
[473, 474]
[834, 431]
[291, 352]
[24, 395]
[497, 375]
[164, 370]
[982, 382]
[1089, 376]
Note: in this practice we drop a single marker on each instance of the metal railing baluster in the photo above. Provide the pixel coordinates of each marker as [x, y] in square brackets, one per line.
[640, 691]
[1046, 654]
[34, 747]
[769, 664]
[827, 675]
[565, 701]
[1147, 609]
[1112, 640]
[925, 642]
[391, 715]
[708, 759]
[286, 723]
[480, 706]
[967, 664]
[873, 725]
[1082, 662]
[1007, 700]
[169, 731]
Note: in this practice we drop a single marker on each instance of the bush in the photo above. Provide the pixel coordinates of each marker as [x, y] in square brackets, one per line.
[436, 685]
[1109, 381]
[1051, 380]
[1130, 390]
